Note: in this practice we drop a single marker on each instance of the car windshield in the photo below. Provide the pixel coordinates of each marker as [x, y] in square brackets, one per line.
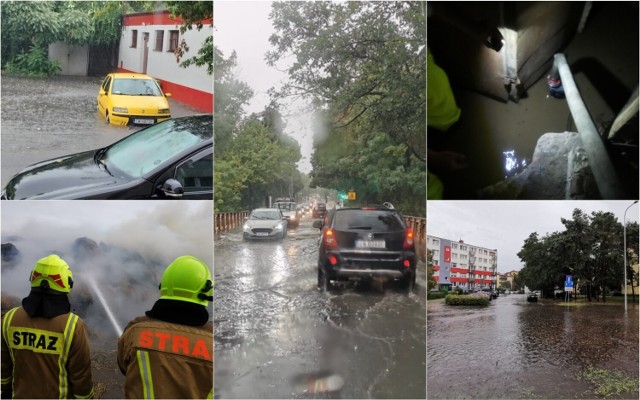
[369, 220]
[286, 206]
[149, 148]
[135, 87]
[265, 214]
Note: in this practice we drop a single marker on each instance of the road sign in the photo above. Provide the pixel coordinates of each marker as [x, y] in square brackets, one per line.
[568, 283]
[351, 195]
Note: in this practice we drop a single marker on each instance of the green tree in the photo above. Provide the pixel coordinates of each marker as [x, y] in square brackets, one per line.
[362, 64]
[431, 281]
[633, 240]
[194, 14]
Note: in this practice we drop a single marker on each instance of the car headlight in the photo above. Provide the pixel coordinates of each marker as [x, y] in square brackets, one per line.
[293, 217]
[120, 109]
[163, 111]
[278, 226]
[246, 227]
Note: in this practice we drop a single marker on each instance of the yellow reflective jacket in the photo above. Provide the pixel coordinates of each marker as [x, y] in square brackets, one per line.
[166, 360]
[442, 110]
[45, 357]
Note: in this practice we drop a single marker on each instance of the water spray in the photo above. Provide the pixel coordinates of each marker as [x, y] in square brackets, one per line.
[97, 291]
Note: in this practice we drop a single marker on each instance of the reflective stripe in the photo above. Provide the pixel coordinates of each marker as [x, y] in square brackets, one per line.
[5, 328]
[210, 395]
[89, 396]
[69, 330]
[145, 374]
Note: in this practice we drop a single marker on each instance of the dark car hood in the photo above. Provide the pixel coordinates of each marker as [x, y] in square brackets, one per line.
[64, 177]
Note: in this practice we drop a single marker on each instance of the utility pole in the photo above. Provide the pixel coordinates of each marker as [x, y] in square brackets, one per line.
[624, 220]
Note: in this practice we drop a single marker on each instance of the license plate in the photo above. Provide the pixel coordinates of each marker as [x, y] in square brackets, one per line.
[262, 234]
[145, 121]
[370, 244]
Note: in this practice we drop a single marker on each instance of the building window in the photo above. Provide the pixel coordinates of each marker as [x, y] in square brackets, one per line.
[159, 39]
[454, 246]
[463, 248]
[134, 38]
[173, 40]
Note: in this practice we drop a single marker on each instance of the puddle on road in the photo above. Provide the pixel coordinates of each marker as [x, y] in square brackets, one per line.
[517, 345]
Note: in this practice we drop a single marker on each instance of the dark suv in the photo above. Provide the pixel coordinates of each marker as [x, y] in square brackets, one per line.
[365, 242]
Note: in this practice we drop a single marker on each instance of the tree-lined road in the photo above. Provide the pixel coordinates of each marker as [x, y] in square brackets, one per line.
[275, 331]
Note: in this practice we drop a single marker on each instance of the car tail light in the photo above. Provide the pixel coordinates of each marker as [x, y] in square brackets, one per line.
[408, 239]
[329, 238]
[407, 263]
[333, 259]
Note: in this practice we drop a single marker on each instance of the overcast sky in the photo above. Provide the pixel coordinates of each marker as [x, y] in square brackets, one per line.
[504, 225]
[244, 26]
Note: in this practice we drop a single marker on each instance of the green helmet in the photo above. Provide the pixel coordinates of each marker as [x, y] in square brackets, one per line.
[187, 279]
[52, 272]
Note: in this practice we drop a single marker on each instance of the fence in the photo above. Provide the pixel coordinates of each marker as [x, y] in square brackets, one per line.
[231, 220]
[228, 220]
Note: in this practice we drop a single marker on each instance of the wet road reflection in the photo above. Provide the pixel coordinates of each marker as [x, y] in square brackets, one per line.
[278, 336]
[514, 349]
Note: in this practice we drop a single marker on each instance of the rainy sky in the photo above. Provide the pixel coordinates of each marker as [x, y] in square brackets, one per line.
[244, 26]
[504, 225]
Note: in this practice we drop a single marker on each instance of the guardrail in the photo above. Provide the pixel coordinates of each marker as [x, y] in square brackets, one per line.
[227, 221]
[419, 226]
[231, 220]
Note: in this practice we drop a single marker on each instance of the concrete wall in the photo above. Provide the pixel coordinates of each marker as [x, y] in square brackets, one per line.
[74, 60]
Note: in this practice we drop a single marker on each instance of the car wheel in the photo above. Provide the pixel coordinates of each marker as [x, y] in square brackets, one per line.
[323, 281]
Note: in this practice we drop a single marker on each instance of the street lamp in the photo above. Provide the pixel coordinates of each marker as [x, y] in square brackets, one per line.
[624, 220]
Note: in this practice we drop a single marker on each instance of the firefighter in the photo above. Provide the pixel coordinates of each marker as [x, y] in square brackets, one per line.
[169, 352]
[45, 350]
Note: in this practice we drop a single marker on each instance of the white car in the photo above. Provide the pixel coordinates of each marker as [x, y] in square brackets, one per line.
[265, 223]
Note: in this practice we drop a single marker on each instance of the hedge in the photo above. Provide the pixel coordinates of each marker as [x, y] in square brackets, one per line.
[455, 300]
[436, 295]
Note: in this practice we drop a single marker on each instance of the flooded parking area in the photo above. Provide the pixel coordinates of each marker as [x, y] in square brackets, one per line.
[516, 350]
[47, 118]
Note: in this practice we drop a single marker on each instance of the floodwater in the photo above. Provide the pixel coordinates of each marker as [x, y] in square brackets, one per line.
[277, 335]
[47, 118]
[513, 349]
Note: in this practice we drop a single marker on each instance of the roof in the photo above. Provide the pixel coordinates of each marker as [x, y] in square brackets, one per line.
[131, 75]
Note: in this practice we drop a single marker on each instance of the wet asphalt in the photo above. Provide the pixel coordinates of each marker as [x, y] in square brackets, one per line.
[519, 350]
[42, 119]
[275, 331]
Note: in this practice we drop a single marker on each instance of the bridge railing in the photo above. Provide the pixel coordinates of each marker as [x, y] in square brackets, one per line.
[227, 221]
[419, 226]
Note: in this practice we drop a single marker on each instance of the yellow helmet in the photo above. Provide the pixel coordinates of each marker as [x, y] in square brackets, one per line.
[52, 272]
[187, 279]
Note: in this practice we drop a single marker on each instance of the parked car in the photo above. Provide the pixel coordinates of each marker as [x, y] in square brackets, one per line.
[132, 99]
[532, 298]
[172, 159]
[289, 210]
[363, 243]
[319, 210]
[265, 223]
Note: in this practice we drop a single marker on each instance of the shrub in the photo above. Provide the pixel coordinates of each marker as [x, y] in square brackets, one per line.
[33, 63]
[432, 295]
[455, 300]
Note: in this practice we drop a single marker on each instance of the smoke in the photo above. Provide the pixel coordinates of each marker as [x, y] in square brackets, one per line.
[122, 246]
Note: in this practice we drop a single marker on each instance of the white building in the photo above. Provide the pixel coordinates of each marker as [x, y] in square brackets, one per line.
[458, 264]
[147, 46]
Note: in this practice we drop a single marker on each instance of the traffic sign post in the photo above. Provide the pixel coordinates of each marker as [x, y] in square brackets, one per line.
[568, 286]
[351, 195]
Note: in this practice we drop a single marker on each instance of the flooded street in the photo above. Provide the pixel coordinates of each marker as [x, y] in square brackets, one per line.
[275, 332]
[48, 118]
[516, 350]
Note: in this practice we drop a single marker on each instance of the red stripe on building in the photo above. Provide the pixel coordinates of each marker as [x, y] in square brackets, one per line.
[203, 101]
[154, 18]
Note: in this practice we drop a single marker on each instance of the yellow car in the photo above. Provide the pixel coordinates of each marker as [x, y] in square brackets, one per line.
[132, 99]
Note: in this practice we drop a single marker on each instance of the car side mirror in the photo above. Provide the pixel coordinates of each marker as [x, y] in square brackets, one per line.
[101, 92]
[317, 224]
[167, 95]
[172, 189]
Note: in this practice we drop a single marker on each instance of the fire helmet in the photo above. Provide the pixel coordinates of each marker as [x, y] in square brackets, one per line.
[52, 272]
[187, 279]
